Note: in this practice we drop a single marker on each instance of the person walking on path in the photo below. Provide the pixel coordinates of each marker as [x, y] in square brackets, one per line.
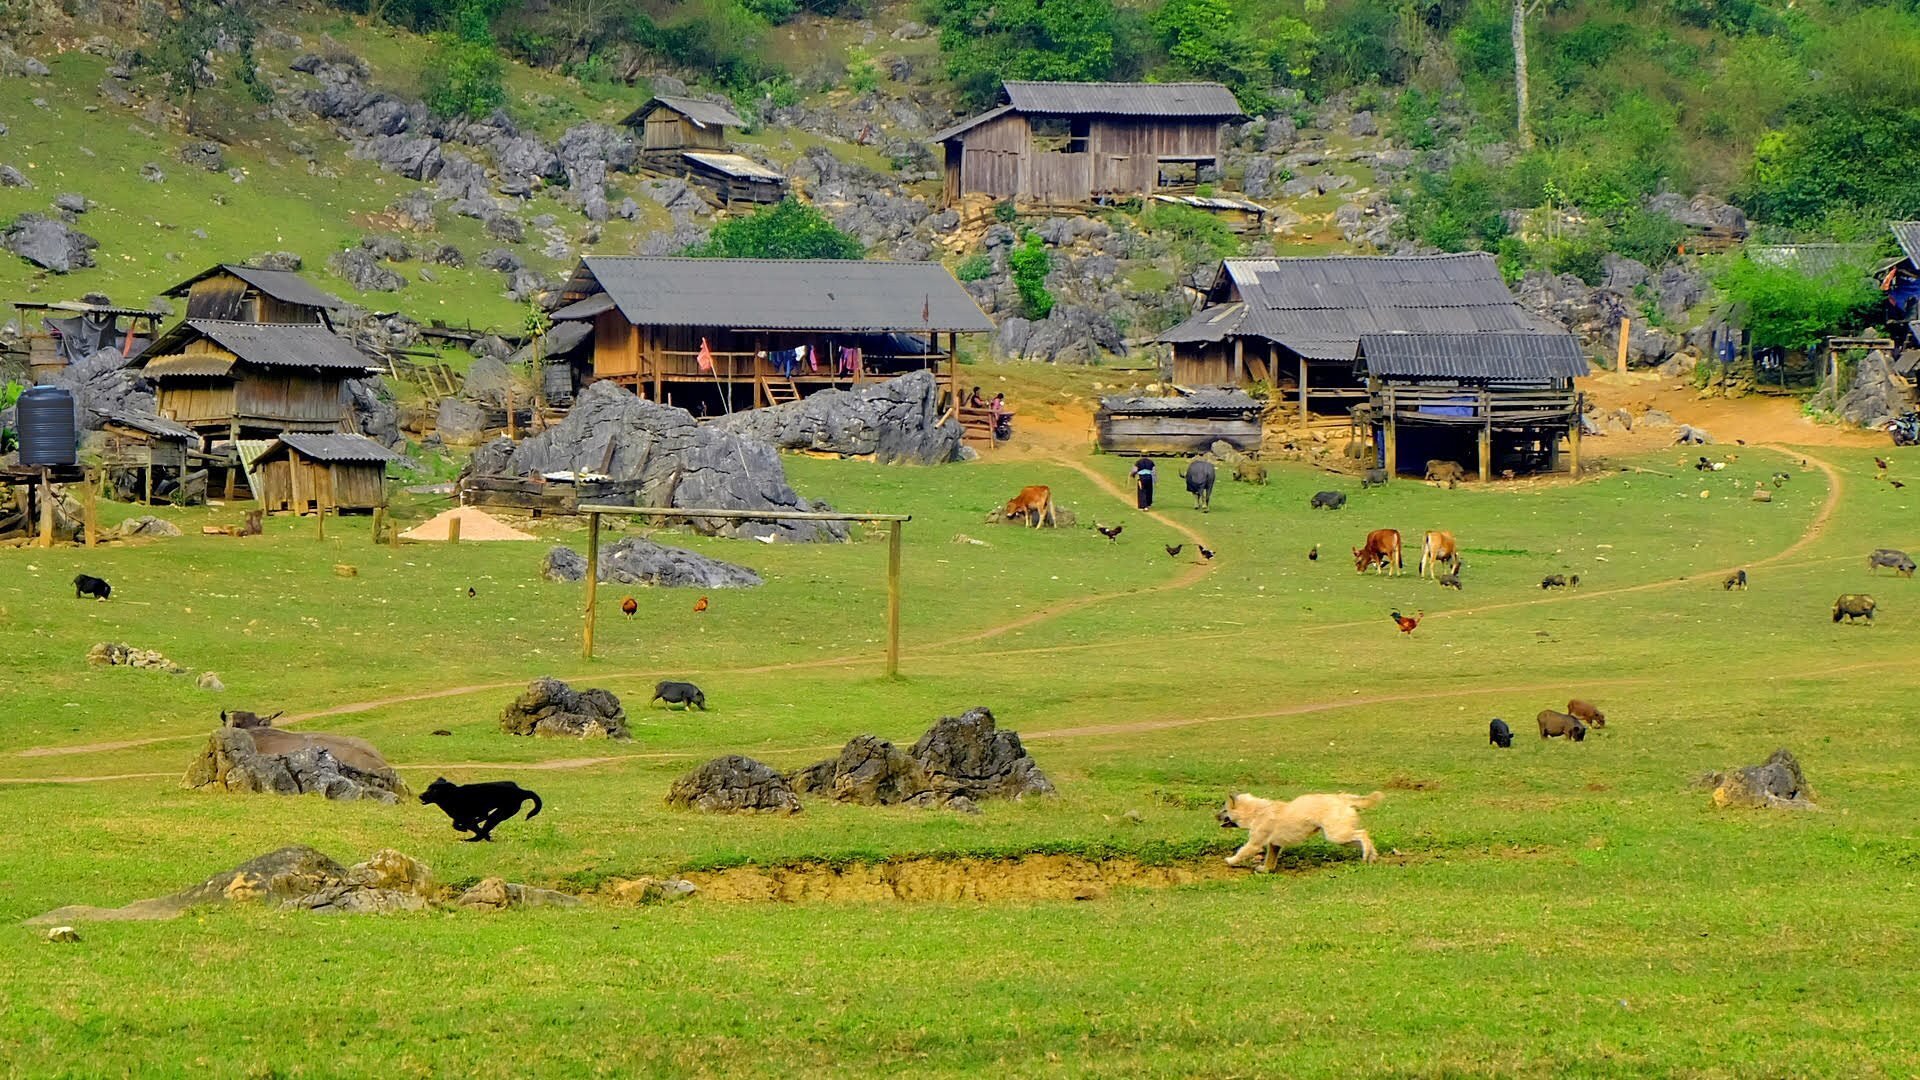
[1143, 483]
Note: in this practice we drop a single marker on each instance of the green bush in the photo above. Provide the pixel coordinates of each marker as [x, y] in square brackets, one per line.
[1785, 308]
[1654, 239]
[1195, 235]
[987, 41]
[1030, 264]
[466, 75]
[1458, 210]
[863, 75]
[787, 230]
[975, 267]
[1005, 212]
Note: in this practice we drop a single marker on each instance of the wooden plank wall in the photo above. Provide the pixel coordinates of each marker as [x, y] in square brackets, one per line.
[290, 395]
[1122, 157]
[356, 485]
[221, 296]
[666, 129]
[1203, 364]
[193, 400]
[994, 160]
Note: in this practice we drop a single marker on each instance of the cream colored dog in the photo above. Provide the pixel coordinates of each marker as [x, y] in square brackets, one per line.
[1272, 824]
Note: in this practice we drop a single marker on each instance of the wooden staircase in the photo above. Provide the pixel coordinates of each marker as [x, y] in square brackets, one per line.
[781, 391]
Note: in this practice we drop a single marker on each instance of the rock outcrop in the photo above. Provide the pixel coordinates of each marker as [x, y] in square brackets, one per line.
[49, 243]
[1775, 784]
[147, 525]
[899, 420]
[499, 894]
[552, 709]
[115, 654]
[960, 761]
[635, 560]
[1875, 396]
[733, 784]
[294, 763]
[679, 462]
[296, 878]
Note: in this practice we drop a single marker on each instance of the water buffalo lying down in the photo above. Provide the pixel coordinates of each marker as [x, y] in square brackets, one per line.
[1853, 606]
[1327, 500]
[1555, 724]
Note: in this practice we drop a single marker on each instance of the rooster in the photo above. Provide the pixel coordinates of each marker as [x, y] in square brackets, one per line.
[1313, 553]
[1173, 550]
[1407, 623]
[1882, 462]
[700, 605]
[1110, 534]
[629, 607]
[1205, 552]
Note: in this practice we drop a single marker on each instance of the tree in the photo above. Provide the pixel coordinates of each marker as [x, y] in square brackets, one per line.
[185, 42]
[1784, 307]
[466, 76]
[1030, 264]
[788, 230]
[988, 41]
[1522, 9]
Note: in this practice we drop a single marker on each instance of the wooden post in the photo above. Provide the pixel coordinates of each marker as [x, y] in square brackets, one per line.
[320, 516]
[453, 530]
[1303, 388]
[91, 491]
[1390, 454]
[1620, 364]
[593, 584]
[46, 508]
[379, 523]
[893, 598]
[150, 477]
[1573, 440]
[1239, 362]
[512, 432]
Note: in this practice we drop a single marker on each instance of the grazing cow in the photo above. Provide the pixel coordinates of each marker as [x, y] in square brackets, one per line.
[1327, 500]
[1735, 580]
[1450, 471]
[1556, 724]
[1373, 478]
[678, 693]
[85, 585]
[1382, 549]
[1586, 713]
[1896, 561]
[1200, 477]
[1437, 548]
[1035, 502]
[1853, 606]
[1499, 734]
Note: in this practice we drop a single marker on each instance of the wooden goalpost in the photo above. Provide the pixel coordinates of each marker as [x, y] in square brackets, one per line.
[893, 522]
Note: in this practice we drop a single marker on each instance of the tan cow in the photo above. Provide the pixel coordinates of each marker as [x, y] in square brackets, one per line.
[1382, 549]
[1036, 502]
[1437, 548]
[1452, 472]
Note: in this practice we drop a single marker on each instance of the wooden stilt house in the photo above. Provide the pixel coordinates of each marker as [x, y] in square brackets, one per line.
[233, 292]
[687, 137]
[237, 379]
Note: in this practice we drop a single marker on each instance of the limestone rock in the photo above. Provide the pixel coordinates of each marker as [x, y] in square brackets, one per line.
[733, 784]
[899, 420]
[1876, 395]
[65, 935]
[340, 767]
[653, 890]
[957, 763]
[636, 560]
[273, 878]
[394, 870]
[553, 709]
[487, 382]
[49, 243]
[564, 565]
[349, 899]
[460, 422]
[359, 270]
[1775, 784]
[499, 894]
[211, 683]
[148, 525]
[115, 654]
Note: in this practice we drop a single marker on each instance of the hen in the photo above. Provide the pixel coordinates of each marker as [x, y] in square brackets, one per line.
[700, 605]
[629, 607]
[1111, 534]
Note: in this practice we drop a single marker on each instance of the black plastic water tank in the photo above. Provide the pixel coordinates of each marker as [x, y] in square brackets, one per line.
[47, 432]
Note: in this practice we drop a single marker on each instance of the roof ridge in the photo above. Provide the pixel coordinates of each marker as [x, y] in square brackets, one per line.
[776, 262]
[1080, 82]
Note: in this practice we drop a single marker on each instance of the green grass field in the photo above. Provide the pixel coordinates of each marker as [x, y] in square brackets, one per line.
[1552, 910]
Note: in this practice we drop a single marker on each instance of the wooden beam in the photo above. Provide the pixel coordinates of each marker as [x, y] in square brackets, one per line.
[893, 598]
[593, 583]
[46, 508]
[737, 515]
[92, 489]
[1626, 325]
[1303, 389]
[1239, 362]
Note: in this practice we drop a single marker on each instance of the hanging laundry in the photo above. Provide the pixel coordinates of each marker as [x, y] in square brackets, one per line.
[813, 359]
[705, 360]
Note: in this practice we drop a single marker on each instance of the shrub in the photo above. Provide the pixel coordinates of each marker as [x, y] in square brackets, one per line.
[1005, 212]
[1195, 235]
[1788, 309]
[1030, 263]
[976, 267]
[863, 75]
[465, 75]
[787, 230]
[987, 41]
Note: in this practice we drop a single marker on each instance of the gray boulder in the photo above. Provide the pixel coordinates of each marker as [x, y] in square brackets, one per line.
[1071, 333]
[1775, 784]
[203, 155]
[1621, 273]
[899, 420]
[460, 422]
[679, 462]
[148, 525]
[415, 210]
[960, 761]
[733, 784]
[1363, 124]
[552, 709]
[71, 202]
[278, 260]
[375, 414]
[49, 243]
[635, 560]
[563, 565]
[869, 771]
[358, 269]
[294, 763]
[1875, 396]
[14, 178]
[487, 382]
[499, 894]
[500, 259]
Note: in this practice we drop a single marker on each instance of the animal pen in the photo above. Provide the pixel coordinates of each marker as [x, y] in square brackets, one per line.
[1496, 400]
[893, 522]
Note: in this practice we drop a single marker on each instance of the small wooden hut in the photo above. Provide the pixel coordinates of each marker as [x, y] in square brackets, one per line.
[1073, 143]
[1495, 402]
[234, 292]
[139, 442]
[308, 473]
[687, 137]
[62, 332]
[1185, 424]
[234, 379]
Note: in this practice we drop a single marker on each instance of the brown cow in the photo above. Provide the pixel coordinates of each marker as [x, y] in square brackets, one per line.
[1555, 724]
[1586, 713]
[1382, 549]
[1036, 502]
[1437, 548]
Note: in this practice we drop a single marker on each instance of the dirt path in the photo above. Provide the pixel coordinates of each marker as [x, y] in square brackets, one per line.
[1192, 575]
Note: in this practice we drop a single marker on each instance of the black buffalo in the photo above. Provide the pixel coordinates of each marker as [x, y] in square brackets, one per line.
[1328, 500]
[679, 693]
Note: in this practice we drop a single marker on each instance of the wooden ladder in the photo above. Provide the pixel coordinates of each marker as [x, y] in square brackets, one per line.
[780, 391]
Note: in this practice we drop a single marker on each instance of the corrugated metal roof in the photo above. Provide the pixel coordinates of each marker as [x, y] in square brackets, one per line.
[332, 449]
[1907, 235]
[1319, 307]
[701, 112]
[735, 165]
[1213, 202]
[1493, 357]
[1196, 403]
[151, 424]
[788, 294]
[261, 344]
[283, 285]
[1216, 323]
[969, 124]
[1813, 260]
[203, 364]
[1189, 100]
[585, 309]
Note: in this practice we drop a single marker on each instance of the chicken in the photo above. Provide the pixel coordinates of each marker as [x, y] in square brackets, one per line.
[1110, 534]
[1407, 623]
[629, 607]
[1313, 553]
[1205, 552]
[1897, 483]
[472, 592]
[1742, 442]
[1173, 550]
[700, 605]
[1882, 462]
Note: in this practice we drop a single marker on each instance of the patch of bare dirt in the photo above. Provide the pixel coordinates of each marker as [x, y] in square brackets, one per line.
[1030, 877]
[1756, 418]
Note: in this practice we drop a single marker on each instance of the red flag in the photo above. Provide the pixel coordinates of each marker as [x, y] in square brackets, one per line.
[706, 356]
[926, 310]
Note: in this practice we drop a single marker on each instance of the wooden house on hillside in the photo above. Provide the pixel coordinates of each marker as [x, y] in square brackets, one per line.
[1074, 143]
[232, 380]
[306, 473]
[1492, 401]
[1294, 324]
[687, 137]
[237, 293]
[718, 335]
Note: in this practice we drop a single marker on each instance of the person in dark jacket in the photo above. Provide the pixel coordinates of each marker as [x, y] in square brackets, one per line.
[1143, 483]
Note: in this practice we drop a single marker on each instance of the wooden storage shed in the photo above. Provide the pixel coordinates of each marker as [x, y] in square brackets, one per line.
[235, 380]
[687, 137]
[1186, 424]
[1073, 143]
[141, 443]
[235, 292]
[62, 332]
[682, 123]
[307, 473]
